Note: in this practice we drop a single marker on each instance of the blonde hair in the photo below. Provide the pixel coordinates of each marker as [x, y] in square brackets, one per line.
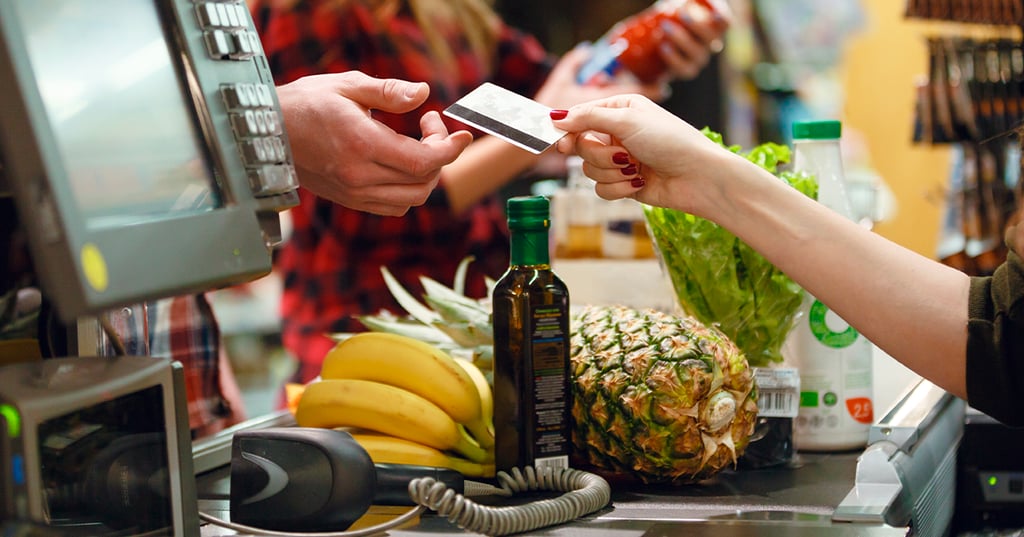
[475, 18]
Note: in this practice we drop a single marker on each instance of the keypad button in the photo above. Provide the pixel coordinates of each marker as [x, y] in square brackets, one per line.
[241, 46]
[222, 15]
[217, 44]
[242, 14]
[208, 16]
[232, 16]
[273, 122]
[235, 96]
[273, 179]
[265, 97]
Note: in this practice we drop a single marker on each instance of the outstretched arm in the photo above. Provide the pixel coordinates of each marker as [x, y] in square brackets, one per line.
[912, 307]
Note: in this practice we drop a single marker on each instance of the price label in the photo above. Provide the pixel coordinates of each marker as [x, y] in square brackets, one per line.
[778, 392]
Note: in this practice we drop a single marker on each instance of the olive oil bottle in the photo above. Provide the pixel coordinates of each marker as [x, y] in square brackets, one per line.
[532, 421]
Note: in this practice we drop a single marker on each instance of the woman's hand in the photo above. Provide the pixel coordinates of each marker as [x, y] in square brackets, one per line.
[633, 147]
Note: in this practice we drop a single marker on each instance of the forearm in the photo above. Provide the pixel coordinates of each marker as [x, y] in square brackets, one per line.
[912, 307]
[484, 167]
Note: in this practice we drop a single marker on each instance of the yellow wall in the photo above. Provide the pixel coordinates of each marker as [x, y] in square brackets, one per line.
[879, 75]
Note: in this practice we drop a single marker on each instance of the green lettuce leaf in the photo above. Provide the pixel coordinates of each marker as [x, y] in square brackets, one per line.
[721, 280]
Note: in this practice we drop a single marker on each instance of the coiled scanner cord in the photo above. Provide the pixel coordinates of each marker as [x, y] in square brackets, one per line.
[585, 493]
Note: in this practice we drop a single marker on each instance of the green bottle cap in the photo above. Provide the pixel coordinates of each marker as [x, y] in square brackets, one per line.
[827, 129]
[528, 212]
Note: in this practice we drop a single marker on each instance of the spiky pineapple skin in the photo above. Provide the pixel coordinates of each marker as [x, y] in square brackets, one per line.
[660, 397]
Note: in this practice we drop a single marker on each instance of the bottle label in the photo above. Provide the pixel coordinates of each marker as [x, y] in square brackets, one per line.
[835, 365]
[550, 352]
[830, 330]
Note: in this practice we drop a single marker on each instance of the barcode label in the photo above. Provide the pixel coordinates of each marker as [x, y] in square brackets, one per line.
[777, 404]
[554, 463]
[778, 392]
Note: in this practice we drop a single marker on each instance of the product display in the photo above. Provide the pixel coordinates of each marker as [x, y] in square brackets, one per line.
[531, 347]
[833, 359]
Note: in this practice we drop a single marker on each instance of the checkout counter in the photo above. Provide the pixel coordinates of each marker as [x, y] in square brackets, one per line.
[901, 484]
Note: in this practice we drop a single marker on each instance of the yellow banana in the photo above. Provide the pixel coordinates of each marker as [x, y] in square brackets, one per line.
[413, 365]
[332, 403]
[394, 450]
[486, 395]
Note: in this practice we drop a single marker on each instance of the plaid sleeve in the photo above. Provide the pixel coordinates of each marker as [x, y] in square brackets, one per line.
[523, 64]
[185, 329]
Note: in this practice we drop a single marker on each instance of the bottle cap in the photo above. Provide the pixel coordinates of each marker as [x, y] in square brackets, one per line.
[528, 212]
[828, 129]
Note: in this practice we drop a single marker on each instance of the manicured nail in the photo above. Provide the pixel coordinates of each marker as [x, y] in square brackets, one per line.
[629, 170]
[621, 158]
[638, 182]
[559, 114]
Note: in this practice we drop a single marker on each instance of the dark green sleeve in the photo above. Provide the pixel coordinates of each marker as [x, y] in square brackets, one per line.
[995, 343]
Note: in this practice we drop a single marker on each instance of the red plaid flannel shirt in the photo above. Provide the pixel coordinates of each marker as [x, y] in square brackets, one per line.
[331, 265]
[182, 328]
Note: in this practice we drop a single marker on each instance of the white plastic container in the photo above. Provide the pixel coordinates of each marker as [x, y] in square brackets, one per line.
[834, 360]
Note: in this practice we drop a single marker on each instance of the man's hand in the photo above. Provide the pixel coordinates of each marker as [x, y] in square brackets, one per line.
[344, 155]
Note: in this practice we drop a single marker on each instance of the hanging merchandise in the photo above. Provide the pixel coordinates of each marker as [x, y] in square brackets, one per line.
[833, 359]
[973, 100]
[1003, 12]
[973, 90]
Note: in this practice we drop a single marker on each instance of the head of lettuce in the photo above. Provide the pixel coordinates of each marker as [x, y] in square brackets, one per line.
[720, 280]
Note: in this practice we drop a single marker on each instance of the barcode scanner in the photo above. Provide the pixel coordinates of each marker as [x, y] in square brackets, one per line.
[312, 479]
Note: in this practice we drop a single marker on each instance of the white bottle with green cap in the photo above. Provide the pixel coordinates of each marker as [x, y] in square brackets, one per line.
[834, 360]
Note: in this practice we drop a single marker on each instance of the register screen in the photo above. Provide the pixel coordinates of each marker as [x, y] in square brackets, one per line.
[124, 127]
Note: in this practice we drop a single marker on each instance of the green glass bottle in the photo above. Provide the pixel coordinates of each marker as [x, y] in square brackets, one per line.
[532, 399]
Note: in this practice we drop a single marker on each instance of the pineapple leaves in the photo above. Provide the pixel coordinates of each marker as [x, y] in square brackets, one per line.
[446, 317]
[459, 285]
[418, 311]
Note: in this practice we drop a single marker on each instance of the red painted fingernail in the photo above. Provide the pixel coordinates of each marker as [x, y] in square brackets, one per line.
[620, 158]
[638, 182]
[559, 114]
[629, 170]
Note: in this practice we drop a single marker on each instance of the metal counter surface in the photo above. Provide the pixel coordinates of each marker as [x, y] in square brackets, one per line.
[794, 500]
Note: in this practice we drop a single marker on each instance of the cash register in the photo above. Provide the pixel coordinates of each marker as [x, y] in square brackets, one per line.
[143, 153]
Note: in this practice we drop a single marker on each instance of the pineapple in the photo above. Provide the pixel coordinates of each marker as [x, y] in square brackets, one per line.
[656, 396]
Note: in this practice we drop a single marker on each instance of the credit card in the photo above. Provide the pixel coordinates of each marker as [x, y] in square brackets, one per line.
[518, 120]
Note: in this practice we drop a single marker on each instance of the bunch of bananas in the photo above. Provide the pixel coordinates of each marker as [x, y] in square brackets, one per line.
[405, 401]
